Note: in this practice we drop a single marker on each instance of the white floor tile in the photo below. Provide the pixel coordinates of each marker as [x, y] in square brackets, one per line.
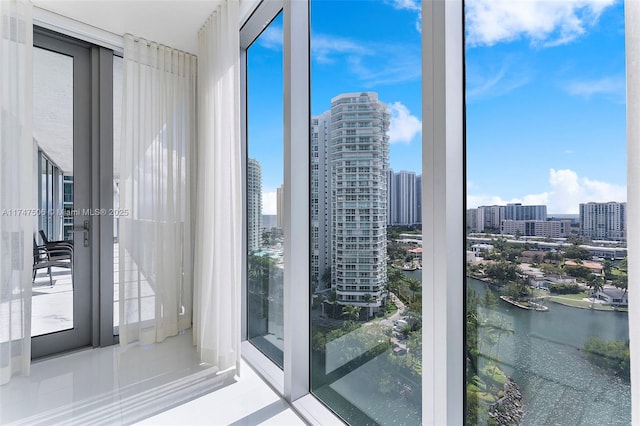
[160, 384]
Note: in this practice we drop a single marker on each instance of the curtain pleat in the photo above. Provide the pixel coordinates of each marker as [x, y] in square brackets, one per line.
[16, 186]
[156, 181]
[218, 240]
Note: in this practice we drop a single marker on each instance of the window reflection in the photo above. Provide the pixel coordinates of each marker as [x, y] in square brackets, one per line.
[264, 183]
[547, 329]
[366, 255]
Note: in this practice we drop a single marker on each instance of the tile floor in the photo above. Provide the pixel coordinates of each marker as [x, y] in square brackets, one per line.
[160, 384]
[52, 306]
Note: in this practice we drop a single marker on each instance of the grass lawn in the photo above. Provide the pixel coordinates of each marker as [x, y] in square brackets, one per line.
[576, 296]
[577, 302]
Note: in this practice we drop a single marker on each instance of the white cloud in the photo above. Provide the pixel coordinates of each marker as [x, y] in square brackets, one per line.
[543, 23]
[602, 86]
[568, 190]
[325, 48]
[371, 64]
[269, 202]
[499, 83]
[271, 37]
[406, 4]
[565, 193]
[404, 126]
[413, 5]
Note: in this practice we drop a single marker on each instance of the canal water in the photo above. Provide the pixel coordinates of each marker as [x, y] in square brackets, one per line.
[541, 351]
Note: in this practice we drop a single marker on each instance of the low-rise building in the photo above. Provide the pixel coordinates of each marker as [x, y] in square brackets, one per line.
[595, 267]
[536, 228]
[611, 296]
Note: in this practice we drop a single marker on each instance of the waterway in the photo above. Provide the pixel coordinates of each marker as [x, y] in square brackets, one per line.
[541, 352]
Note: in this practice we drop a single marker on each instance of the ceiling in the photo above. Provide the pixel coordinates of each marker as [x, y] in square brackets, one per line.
[169, 22]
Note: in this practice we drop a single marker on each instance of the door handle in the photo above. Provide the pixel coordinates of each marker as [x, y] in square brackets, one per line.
[85, 229]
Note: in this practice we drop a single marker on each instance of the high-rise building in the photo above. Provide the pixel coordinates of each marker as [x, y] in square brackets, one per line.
[405, 185]
[320, 201]
[603, 221]
[349, 170]
[417, 216]
[392, 198]
[404, 198]
[517, 211]
[472, 220]
[254, 204]
[490, 217]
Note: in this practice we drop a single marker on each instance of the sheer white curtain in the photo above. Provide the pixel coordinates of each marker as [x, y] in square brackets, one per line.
[155, 243]
[218, 242]
[16, 189]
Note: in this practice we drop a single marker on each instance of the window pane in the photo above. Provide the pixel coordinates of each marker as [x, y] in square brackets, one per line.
[265, 150]
[53, 104]
[366, 241]
[547, 328]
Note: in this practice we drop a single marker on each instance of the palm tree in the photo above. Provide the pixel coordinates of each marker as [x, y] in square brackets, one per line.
[622, 283]
[415, 286]
[595, 284]
[351, 312]
[368, 299]
[607, 265]
[395, 277]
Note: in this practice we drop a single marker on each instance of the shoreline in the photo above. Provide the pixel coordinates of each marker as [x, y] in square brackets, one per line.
[549, 298]
[534, 306]
[611, 309]
[509, 409]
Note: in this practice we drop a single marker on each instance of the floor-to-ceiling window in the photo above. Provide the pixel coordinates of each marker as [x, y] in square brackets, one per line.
[547, 339]
[264, 191]
[547, 324]
[366, 210]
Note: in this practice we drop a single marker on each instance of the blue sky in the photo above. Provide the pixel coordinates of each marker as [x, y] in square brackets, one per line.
[545, 102]
[545, 93]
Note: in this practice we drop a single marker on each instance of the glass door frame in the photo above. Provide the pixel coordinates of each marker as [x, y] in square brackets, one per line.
[80, 333]
[93, 122]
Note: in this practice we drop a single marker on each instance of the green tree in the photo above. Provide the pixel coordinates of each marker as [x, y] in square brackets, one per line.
[501, 272]
[395, 279]
[550, 269]
[351, 312]
[577, 271]
[612, 356]
[596, 284]
[368, 299]
[622, 282]
[471, 317]
[577, 252]
[607, 265]
[518, 290]
[622, 266]
[490, 300]
[415, 287]
[552, 256]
